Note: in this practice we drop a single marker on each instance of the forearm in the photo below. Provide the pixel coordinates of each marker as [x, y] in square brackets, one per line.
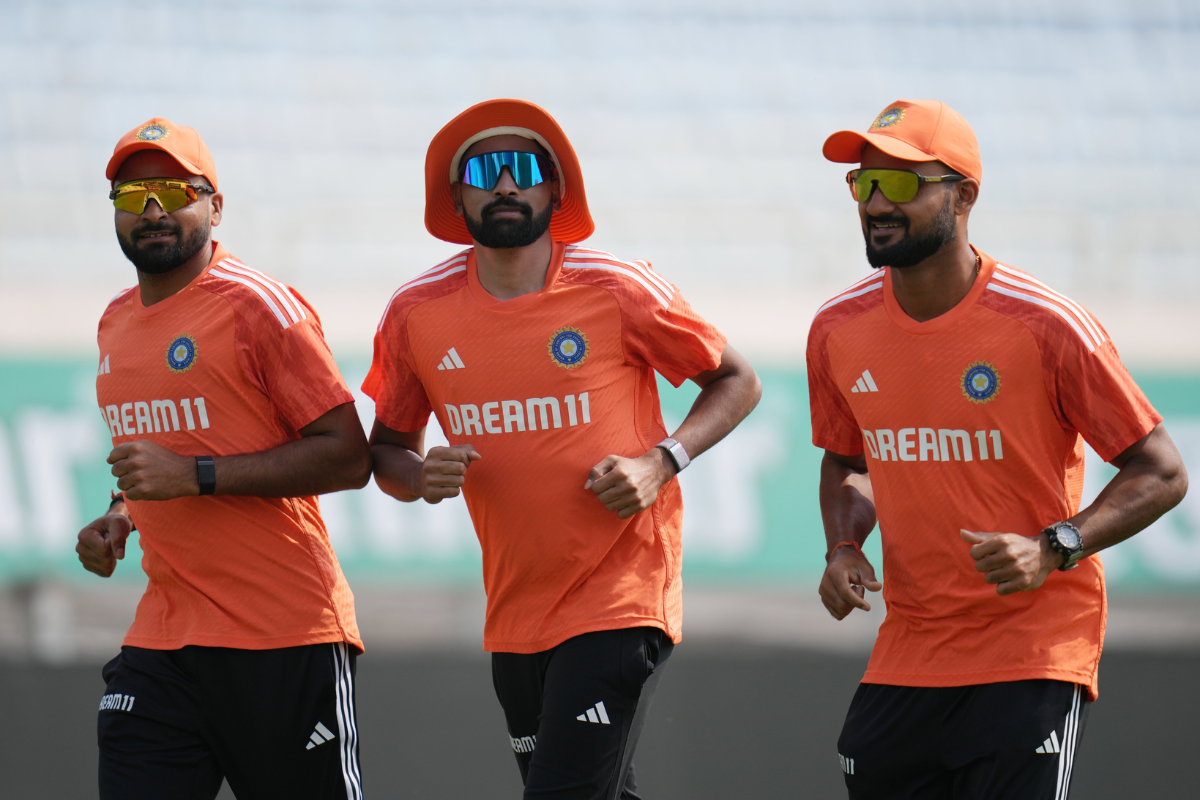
[1143, 490]
[397, 471]
[721, 405]
[312, 465]
[847, 503]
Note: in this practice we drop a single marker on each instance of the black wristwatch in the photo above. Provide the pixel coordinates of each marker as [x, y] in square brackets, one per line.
[1066, 539]
[206, 474]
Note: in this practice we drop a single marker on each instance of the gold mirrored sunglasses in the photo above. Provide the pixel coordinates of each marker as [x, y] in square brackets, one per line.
[171, 195]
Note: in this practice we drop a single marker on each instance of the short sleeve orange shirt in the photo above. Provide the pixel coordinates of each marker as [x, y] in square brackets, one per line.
[234, 363]
[545, 386]
[975, 419]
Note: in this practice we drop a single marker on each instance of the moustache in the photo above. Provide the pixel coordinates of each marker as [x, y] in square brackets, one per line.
[508, 202]
[900, 218]
[165, 226]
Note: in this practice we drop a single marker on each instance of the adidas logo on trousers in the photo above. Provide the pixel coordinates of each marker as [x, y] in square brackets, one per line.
[595, 714]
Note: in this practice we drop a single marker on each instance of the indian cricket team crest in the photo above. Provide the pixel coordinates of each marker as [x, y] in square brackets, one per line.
[568, 347]
[980, 382]
[888, 118]
[153, 133]
[181, 354]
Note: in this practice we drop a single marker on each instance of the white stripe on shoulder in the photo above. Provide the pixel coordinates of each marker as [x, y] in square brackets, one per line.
[230, 266]
[606, 263]
[1026, 281]
[1057, 309]
[865, 286]
[444, 270]
[576, 253]
[120, 294]
[277, 287]
[257, 290]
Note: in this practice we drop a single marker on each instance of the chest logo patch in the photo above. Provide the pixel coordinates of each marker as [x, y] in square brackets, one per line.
[568, 347]
[980, 382]
[181, 354]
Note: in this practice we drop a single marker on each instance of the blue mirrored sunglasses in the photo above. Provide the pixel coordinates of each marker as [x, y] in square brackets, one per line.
[527, 169]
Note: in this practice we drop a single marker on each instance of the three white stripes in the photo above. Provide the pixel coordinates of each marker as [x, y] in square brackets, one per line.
[452, 361]
[265, 287]
[639, 271]
[347, 725]
[596, 713]
[1070, 738]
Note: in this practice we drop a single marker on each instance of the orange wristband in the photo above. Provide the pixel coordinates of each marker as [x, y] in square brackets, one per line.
[855, 545]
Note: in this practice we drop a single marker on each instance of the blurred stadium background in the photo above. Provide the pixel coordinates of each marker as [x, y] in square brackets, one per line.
[699, 125]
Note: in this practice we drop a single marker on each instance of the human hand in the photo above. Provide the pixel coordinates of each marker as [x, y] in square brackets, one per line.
[444, 471]
[147, 471]
[846, 578]
[102, 543]
[630, 485]
[1013, 562]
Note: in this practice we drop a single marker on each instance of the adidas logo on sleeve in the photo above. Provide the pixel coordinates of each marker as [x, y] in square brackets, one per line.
[595, 714]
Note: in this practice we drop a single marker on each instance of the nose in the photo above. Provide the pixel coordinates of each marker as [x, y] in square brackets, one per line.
[877, 204]
[153, 211]
[505, 184]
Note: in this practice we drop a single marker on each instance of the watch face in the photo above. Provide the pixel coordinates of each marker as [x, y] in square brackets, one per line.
[1068, 538]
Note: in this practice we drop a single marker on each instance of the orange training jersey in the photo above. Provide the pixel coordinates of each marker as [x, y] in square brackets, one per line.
[545, 386]
[975, 419]
[234, 363]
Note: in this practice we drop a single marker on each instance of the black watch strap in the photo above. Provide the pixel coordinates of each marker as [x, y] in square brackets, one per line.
[206, 474]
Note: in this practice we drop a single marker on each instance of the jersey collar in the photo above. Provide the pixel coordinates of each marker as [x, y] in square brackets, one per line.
[517, 303]
[142, 312]
[987, 265]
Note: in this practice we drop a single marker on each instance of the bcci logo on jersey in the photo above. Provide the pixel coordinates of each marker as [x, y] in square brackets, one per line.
[980, 382]
[568, 347]
[181, 354]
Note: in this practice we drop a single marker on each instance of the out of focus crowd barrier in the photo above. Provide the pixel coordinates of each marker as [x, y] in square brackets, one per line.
[751, 504]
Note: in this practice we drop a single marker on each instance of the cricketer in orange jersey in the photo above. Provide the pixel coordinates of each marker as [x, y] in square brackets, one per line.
[952, 395]
[228, 416]
[538, 357]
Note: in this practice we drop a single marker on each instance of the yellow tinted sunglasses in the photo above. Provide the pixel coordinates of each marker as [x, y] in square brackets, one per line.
[897, 185]
[171, 195]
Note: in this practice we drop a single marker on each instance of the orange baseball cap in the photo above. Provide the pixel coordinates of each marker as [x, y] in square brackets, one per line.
[179, 141]
[915, 130]
[573, 223]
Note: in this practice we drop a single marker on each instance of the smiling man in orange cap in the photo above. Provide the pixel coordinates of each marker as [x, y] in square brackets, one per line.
[228, 416]
[539, 358]
[952, 395]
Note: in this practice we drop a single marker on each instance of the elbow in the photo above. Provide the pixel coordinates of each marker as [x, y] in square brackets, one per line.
[360, 471]
[1177, 484]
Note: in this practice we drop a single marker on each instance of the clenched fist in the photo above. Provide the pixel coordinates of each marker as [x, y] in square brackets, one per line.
[630, 485]
[445, 470]
[147, 471]
[102, 543]
[1013, 562]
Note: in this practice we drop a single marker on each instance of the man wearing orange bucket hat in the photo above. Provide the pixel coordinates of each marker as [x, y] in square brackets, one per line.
[952, 395]
[538, 357]
[228, 417]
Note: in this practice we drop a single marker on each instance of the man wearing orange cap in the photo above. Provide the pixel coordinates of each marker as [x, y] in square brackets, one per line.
[228, 416]
[538, 357]
[952, 395]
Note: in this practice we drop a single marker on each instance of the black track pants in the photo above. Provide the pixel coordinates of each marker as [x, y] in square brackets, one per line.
[274, 723]
[993, 741]
[575, 712]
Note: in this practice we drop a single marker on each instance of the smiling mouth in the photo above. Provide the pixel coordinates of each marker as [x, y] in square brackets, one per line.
[155, 236]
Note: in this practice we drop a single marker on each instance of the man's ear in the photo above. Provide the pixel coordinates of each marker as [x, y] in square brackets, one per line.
[556, 194]
[966, 194]
[216, 204]
[456, 197]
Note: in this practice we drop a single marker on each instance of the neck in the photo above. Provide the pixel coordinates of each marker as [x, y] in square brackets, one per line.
[155, 288]
[932, 287]
[514, 271]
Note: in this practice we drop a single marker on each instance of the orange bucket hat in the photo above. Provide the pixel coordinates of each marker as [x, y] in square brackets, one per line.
[178, 141]
[915, 130]
[573, 223]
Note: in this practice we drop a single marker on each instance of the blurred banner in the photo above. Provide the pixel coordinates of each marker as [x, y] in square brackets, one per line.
[751, 503]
